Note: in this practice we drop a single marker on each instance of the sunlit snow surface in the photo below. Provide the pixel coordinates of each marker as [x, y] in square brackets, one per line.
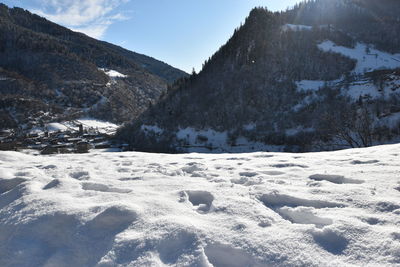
[258, 209]
[113, 73]
[101, 126]
[87, 123]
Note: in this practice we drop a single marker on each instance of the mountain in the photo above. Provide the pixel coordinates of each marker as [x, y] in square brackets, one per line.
[50, 73]
[322, 75]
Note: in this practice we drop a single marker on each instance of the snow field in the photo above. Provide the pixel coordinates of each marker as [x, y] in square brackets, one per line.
[368, 58]
[256, 209]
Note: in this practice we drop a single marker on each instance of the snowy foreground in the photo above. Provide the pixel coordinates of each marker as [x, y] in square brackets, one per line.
[259, 209]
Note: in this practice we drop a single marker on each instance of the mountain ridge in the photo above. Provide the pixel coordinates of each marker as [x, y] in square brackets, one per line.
[64, 74]
[256, 79]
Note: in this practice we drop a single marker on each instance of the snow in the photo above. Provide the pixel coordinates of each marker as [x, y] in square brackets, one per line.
[305, 102]
[366, 61]
[309, 85]
[55, 127]
[87, 122]
[257, 209]
[296, 27]
[113, 73]
[363, 88]
[100, 125]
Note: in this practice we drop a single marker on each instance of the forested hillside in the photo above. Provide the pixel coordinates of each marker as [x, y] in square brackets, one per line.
[48, 72]
[322, 75]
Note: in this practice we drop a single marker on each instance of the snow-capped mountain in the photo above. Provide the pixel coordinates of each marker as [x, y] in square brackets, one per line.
[322, 75]
[49, 73]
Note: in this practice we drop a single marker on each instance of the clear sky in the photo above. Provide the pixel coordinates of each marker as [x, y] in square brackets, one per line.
[182, 33]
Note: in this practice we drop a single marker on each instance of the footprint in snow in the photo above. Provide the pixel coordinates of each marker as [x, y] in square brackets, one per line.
[220, 255]
[336, 179]
[264, 222]
[193, 167]
[154, 165]
[396, 236]
[80, 175]
[47, 167]
[273, 173]
[386, 206]
[103, 188]
[123, 170]
[358, 162]
[224, 167]
[130, 179]
[201, 200]
[303, 215]
[298, 210]
[247, 181]
[330, 241]
[372, 220]
[248, 174]
[288, 165]
[274, 200]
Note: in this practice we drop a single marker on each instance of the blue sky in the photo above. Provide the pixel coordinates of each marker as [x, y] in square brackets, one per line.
[182, 33]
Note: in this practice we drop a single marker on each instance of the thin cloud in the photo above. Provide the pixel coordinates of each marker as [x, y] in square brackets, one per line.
[92, 17]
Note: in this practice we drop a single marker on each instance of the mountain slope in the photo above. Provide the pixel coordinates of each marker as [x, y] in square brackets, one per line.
[48, 72]
[322, 75]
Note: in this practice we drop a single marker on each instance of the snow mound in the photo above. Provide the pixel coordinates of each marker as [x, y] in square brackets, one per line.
[257, 209]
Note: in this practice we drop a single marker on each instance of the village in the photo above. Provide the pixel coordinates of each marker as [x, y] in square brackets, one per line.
[73, 137]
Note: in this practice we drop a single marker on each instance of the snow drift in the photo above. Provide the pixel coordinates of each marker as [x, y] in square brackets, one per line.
[259, 209]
